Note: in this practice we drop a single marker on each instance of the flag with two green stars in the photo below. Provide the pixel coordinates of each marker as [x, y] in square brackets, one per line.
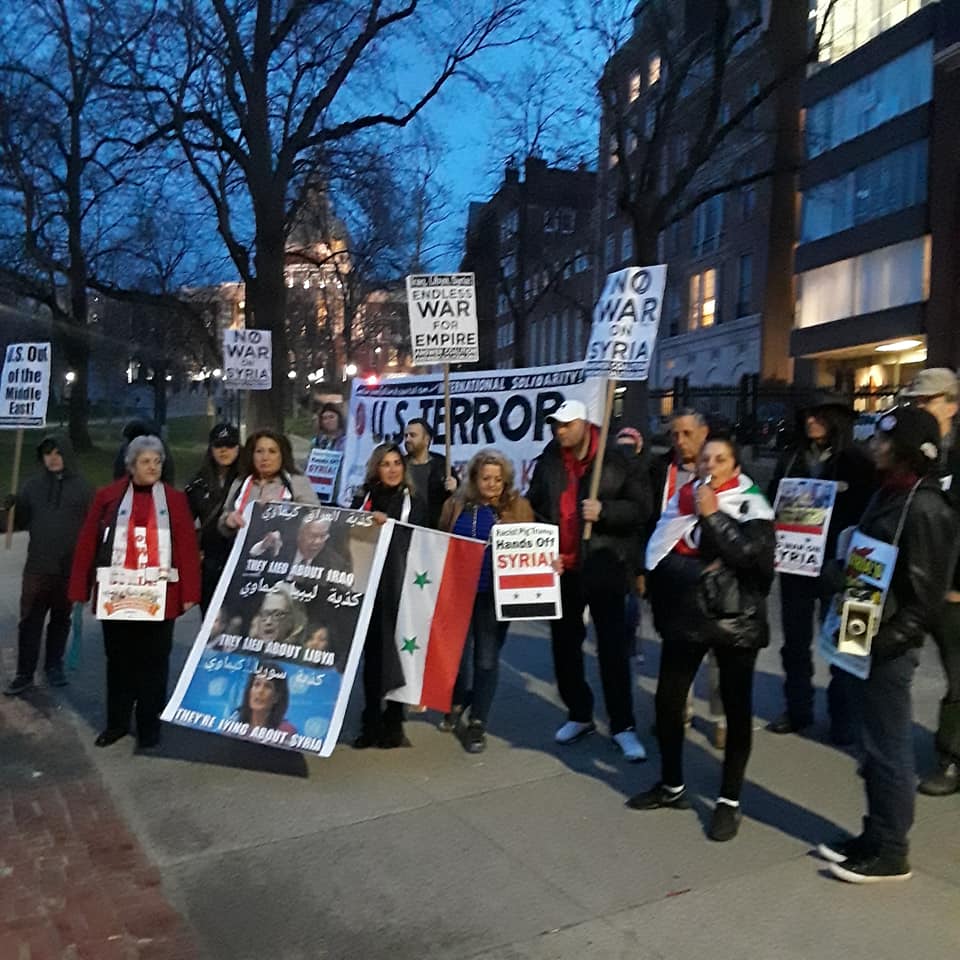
[427, 590]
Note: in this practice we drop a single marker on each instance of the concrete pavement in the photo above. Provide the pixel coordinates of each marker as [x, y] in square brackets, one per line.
[525, 851]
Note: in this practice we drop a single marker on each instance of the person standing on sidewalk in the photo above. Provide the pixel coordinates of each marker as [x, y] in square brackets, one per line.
[51, 505]
[594, 573]
[428, 471]
[912, 512]
[936, 391]
[826, 452]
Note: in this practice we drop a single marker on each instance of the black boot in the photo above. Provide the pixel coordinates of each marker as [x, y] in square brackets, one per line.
[944, 781]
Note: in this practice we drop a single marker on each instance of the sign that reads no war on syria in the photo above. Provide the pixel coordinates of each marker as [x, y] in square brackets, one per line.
[247, 358]
[443, 318]
[625, 323]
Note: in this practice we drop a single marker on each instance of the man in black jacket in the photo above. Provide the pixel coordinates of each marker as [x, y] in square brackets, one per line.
[594, 573]
[936, 391]
[913, 513]
[428, 471]
[51, 505]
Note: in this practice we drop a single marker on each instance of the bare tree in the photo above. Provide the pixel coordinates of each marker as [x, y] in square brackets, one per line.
[256, 92]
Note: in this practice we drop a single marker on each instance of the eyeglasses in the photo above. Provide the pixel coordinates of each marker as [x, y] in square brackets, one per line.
[274, 614]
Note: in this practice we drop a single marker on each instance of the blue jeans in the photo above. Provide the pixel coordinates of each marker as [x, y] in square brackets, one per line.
[888, 744]
[482, 648]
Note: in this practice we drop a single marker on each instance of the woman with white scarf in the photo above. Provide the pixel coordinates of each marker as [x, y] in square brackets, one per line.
[711, 567]
[138, 552]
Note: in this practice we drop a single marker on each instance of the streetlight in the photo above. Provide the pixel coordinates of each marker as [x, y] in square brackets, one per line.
[350, 369]
[70, 376]
[217, 373]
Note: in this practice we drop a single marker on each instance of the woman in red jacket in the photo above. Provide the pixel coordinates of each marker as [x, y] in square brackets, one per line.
[138, 551]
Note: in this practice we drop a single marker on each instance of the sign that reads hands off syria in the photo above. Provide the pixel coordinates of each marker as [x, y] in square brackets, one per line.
[443, 318]
[625, 323]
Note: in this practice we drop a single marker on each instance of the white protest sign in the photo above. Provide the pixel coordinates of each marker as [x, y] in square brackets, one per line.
[525, 585]
[247, 356]
[443, 318]
[321, 470]
[801, 519]
[25, 386]
[625, 323]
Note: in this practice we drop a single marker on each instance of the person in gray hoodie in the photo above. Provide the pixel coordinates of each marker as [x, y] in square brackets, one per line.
[51, 504]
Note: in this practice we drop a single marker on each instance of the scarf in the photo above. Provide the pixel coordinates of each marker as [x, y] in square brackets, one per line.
[369, 506]
[146, 550]
[568, 506]
[740, 499]
[243, 494]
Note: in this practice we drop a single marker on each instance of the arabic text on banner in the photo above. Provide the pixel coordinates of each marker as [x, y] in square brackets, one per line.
[802, 514]
[525, 585]
[276, 656]
[625, 323]
[503, 409]
[247, 359]
[443, 318]
[25, 385]
[868, 571]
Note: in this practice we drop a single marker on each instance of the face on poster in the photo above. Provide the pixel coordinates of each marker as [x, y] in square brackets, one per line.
[275, 658]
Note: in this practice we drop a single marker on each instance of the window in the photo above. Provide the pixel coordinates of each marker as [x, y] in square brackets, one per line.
[649, 121]
[745, 286]
[673, 312]
[508, 226]
[632, 141]
[890, 183]
[748, 195]
[752, 120]
[612, 199]
[852, 23]
[708, 225]
[568, 220]
[508, 265]
[609, 252]
[502, 304]
[724, 115]
[636, 80]
[626, 245]
[894, 89]
[653, 70]
[703, 299]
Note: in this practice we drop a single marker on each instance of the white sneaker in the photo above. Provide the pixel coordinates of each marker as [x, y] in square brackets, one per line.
[630, 746]
[572, 731]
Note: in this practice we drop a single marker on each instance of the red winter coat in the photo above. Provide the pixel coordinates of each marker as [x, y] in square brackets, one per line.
[99, 525]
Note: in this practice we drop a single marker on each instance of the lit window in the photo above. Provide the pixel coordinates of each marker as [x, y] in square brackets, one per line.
[635, 84]
[703, 299]
[653, 70]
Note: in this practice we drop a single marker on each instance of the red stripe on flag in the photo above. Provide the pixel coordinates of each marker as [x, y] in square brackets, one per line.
[451, 621]
[800, 528]
[520, 581]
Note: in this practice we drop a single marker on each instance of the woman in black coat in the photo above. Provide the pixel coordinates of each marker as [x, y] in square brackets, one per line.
[711, 567]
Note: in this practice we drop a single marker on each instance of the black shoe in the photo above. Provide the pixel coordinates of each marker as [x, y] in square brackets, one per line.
[392, 739]
[365, 740]
[785, 724]
[56, 677]
[658, 797]
[108, 737]
[450, 721]
[873, 868]
[148, 743]
[19, 684]
[846, 848]
[725, 822]
[474, 737]
[942, 783]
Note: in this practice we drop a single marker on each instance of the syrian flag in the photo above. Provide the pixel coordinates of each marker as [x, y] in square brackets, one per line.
[427, 590]
[528, 596]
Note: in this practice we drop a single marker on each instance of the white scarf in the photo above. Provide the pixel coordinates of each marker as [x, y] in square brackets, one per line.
[243, 494]
[118, 550]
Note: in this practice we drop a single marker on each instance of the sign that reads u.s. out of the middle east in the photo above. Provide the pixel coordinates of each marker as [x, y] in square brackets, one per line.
[625, 323]
[25, 385]
[443, 318]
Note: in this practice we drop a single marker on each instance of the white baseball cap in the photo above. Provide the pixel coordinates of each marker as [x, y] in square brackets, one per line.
[568, 411]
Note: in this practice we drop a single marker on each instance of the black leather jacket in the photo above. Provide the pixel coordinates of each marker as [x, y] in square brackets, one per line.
[928, 553]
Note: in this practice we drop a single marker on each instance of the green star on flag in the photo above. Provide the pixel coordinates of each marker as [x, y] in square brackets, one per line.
[409, 645]
[421, 579]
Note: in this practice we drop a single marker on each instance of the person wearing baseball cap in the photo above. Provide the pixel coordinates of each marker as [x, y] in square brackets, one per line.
[594, 573]
[912, 512]
[206, 492]
[936, 391]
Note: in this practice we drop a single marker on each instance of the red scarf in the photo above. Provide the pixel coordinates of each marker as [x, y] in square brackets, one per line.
[569, 505]
[143, 549]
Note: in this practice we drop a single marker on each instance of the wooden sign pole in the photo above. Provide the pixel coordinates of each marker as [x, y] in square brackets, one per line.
[601, 446]
[14, 485]
[447, 432]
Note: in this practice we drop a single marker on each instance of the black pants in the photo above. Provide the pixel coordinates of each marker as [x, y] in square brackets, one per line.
[946, 633]
[798, 599]
[679, 662]
[606, 602]
[40, 595]
[480, 666]
[888, 770]
[138, 664]
[379, 716]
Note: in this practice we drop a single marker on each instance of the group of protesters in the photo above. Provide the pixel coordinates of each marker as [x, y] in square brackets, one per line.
[688, 531]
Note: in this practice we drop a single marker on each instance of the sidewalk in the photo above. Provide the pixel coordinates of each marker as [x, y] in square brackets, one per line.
[525, 852]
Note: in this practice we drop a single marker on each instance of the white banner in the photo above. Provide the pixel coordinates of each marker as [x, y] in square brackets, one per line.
[625, 323]
[525, 585]
[25, 386]
[247, 358]
[503, 409]
[443, 318]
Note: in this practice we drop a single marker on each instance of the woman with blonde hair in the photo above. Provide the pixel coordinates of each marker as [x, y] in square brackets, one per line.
[487, 496]
[280, 619]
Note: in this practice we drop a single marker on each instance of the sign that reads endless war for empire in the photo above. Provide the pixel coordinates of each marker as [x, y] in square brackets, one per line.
[247, 357]
[25, 385]
[625, 323]
[443, 318]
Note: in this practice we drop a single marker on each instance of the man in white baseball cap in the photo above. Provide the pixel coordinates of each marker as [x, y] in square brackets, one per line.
[593, 573]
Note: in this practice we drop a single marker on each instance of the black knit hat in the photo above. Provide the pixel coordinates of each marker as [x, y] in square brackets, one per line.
[224, 435]
[913, 431]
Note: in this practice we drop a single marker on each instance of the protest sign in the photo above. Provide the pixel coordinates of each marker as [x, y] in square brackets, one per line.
[321, 470]
[506, 410]
[443, 318]
[854, 614]
[25, 385]
[276, 656]
[525, 585]
[625, 323]
[247, 358]
[801, 517]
